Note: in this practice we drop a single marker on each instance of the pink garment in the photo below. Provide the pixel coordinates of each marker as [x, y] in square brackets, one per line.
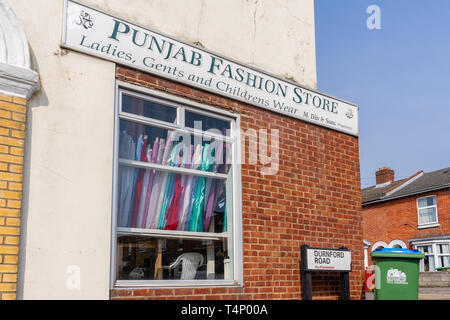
[144, 188]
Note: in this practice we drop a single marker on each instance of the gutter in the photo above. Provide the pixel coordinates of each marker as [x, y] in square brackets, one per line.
[407, 195]
[429, 239]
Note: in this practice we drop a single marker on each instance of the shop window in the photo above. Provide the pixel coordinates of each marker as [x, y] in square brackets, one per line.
[175, 191]
[207, 123]
[148, 108]
[427, 211]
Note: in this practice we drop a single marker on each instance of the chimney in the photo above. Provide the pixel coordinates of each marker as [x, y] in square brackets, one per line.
[384, 175]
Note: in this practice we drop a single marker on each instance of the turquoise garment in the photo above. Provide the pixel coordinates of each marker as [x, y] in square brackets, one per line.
[168, 195]
[196, 223]
[187, 226]
[164, 174]
[196, 164]
[197, 210]
[225, 219]
[178, 159]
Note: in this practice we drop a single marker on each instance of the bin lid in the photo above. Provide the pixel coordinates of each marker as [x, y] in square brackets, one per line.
[398, 253]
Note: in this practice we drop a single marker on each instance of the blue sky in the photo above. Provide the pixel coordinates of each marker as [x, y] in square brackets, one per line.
[398, 75]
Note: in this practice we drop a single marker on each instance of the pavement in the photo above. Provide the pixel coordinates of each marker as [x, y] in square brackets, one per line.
[436, 293]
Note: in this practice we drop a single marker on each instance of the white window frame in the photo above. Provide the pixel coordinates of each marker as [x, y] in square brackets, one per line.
[430, 224]
[397, 242]
[379, 244]
[233, 233]
[435, 254]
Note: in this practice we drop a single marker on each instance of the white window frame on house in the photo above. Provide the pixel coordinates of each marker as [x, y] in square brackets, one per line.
[435, 254]
[393, 244]
[233, 235]
[430, 224]
[379, 245]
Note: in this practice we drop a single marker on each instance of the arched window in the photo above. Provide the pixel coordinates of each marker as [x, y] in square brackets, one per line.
[397, 244]
[379, 245]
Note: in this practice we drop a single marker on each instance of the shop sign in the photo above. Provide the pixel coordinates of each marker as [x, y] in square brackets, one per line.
[328, 260]
[105, 36]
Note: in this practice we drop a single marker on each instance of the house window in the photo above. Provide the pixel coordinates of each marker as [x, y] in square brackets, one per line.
[443, 254]
[175, 204]
[427, 211]
[428, 263]
[437, 255]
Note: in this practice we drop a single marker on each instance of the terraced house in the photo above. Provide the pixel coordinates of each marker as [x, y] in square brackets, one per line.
[410, 213]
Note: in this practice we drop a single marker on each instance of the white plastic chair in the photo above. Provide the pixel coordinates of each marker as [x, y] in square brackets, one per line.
[190, 263]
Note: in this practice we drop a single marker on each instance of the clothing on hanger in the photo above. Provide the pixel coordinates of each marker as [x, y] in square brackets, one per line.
[196, 223]
[127, 148]
[170, 188]
[171, 221]
[142, 153]
[164, 174]
[190, 197]
[154, 157]
[157, 199]
[185, 193]
[156, 189]
[212, 192]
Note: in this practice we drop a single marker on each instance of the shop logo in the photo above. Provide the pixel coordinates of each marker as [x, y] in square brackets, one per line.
[349, 113]
[73, 281]
[85, 20]
[396, 276]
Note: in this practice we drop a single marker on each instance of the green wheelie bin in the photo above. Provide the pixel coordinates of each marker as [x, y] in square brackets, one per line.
[397, 273]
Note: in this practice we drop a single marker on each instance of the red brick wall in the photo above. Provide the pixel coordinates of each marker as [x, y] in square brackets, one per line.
[397, 219]
[314, 199]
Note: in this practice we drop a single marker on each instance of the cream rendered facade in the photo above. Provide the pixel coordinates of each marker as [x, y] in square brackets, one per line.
[65, 245]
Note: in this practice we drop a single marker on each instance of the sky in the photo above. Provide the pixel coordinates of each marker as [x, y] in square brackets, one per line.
[398, 75]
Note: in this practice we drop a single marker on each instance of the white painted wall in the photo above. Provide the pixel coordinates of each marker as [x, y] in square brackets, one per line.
[69, 144]
[273, 35]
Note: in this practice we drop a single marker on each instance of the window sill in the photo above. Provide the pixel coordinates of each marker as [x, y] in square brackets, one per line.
[161, 284]
[431, 225]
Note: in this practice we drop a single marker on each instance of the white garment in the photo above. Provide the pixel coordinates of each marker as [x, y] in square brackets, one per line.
[165, 161]
[156, 189]
[196, 159]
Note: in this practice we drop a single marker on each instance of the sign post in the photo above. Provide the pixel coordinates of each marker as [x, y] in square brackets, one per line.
[324, 259]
